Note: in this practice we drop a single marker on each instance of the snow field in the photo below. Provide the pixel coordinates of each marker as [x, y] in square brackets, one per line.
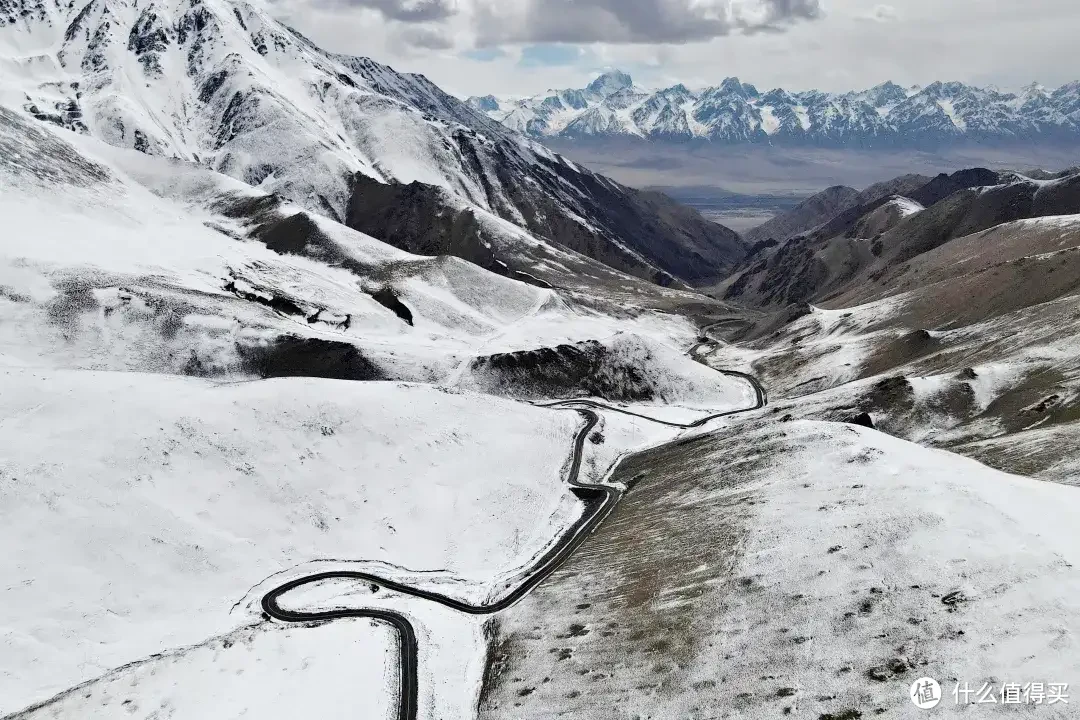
[138, 508]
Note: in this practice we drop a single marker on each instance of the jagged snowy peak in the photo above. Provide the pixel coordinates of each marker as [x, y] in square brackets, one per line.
[221, 83]
[886, 115]
[886, 95]
[610, 83]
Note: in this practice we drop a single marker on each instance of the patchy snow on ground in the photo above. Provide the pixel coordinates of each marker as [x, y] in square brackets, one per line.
[906, 206]
[890, 562]
[138, 508]
[1015, 371]
[992, 379]
[1038, 449]
[807, 569]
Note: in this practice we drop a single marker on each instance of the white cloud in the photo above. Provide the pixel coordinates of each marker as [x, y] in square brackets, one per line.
[641, 21]
[1007, 44]
[880, 13]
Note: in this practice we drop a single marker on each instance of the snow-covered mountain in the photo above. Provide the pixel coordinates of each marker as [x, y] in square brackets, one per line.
[736, 112]
[233, 387]
[223, 84]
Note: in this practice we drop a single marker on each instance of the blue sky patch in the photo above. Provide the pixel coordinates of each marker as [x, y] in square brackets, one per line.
[550, 55]
[484, 54]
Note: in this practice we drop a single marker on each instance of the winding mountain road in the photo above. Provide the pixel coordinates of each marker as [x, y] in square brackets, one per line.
[571, 541]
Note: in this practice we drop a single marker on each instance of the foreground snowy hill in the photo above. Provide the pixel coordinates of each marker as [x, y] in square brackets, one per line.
[139, 508]
[221, 83]
[804, 569]
[735, 112]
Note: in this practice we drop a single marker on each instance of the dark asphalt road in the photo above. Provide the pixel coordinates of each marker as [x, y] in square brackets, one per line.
[571, 540]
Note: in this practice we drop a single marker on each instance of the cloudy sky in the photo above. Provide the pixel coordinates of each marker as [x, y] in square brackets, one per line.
[526, 46]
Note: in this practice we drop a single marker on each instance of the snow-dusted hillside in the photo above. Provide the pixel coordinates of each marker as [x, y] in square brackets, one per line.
[119, 261]
[143, 507]
[970, 346]
[806, 570]
[736, 112]
[200, 387]
[221, 83]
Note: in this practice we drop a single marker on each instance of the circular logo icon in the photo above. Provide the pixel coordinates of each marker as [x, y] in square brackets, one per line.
[925, 693]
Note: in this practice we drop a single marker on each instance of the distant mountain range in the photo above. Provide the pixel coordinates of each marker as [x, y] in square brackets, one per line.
[885, 116]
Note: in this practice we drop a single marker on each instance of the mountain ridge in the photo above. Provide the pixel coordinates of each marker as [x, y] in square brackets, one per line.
[734, 112]
[223, 84]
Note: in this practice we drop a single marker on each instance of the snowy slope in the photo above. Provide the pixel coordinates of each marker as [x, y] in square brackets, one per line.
[249, 671]
[736, 112]
[222, 84]
[971, 346]
[139, 508]
[151, 476]
[811, 570]
[121, 261]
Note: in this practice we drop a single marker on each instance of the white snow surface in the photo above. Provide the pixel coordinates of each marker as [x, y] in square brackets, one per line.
[906, 206]
[138, 505]
[225, 85]
[270, 670]
[139, 508]
[137, 231]
[844, 510]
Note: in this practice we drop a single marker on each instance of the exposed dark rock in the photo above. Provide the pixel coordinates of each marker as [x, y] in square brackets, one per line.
[294, 356]
[1058, 198]
[389, 299]
[420, 219]
[910, 346]
[862, 419]
[890, 394]
[835, 258]
[140, 142]
[582, 369]
[796, 311]
[945, 184]
[676, 242]
[759, 247]
[275, 302]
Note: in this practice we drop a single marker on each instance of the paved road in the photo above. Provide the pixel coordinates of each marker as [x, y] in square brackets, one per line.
[607, 496]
